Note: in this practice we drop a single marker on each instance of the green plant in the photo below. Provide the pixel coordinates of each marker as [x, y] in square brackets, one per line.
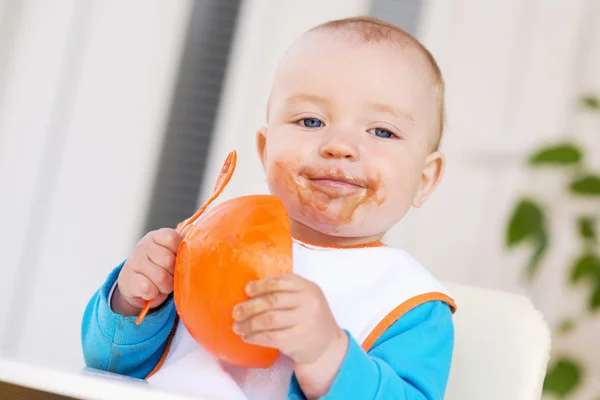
[528, 224]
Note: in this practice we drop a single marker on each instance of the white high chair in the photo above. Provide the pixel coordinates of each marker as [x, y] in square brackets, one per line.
[502, 346]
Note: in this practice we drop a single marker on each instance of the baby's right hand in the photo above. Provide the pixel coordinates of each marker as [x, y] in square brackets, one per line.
[147, 273]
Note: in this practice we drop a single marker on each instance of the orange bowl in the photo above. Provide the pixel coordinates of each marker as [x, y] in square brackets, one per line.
[241, 240]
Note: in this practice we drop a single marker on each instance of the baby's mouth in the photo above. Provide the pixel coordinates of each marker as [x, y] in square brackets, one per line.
[334, 183]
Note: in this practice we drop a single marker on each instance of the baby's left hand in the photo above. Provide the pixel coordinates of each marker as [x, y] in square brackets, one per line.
[290, 314]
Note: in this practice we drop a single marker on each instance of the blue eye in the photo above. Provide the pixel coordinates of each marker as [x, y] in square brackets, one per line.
[383, 133]
[311, 122]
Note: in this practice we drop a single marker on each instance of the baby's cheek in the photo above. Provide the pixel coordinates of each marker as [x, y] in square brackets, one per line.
[398, 199]
[279, 178]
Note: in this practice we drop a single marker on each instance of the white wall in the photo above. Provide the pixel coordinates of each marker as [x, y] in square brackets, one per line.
[513, 72]
[88, 88]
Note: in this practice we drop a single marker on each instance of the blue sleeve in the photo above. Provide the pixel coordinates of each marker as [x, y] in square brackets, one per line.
[411, 360]
[114, 343]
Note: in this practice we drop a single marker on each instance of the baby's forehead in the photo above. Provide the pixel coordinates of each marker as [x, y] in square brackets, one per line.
[323, 58]
[398, 48]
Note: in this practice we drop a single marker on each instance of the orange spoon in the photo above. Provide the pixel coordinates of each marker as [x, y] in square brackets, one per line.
[222, 181]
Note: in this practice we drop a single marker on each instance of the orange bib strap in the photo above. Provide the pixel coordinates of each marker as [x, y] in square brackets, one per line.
[166, 352]
[402, 309]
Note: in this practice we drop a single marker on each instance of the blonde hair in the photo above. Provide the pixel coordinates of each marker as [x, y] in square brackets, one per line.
[373, 30]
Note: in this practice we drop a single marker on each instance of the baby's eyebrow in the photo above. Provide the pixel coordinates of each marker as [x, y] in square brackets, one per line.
[392, 110]
[306, 98]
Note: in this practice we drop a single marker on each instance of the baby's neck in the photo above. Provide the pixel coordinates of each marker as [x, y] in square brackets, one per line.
[308, 235]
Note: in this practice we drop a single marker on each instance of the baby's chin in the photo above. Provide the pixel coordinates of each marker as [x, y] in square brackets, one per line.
[332, 223]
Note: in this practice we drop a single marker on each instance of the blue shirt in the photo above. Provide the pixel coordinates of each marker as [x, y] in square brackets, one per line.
[411, 360]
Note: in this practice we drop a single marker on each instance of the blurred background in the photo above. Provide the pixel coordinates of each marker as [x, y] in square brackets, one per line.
[115, 117]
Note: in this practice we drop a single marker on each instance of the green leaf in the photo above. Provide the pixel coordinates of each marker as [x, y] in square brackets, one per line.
[540, 249]
[586, 267]
[586, 186]
[526, 222]
[587, 228]
[566, 326]
[562, 154]
[591, 102]
[563, 377]
[594, 303]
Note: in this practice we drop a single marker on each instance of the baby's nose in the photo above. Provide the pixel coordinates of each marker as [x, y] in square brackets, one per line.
[339, 147]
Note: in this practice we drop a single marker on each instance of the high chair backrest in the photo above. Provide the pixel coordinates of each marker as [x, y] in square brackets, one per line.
[502, 346]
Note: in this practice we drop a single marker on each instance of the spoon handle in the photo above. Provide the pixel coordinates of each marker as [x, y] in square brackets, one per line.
[222, 181]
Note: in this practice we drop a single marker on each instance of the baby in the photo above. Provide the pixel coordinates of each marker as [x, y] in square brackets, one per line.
[354, 121]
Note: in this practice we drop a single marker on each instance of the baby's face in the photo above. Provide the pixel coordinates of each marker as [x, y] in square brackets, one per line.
[348, 144]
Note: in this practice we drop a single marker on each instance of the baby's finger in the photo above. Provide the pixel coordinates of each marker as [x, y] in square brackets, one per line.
[267, 321]
[168, 238]
[279, 283]
[158, 276]
[257, 305]
[275, 338]
[144, 287]
[162, 257]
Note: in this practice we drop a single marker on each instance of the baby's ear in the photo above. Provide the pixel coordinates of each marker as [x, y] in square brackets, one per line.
[261, 145]
[430, 177]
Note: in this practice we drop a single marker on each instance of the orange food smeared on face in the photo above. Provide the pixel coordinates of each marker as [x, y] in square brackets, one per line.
[370, 196]
[328, 206]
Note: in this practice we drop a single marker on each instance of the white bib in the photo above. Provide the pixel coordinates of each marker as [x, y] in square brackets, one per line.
[367, 288]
